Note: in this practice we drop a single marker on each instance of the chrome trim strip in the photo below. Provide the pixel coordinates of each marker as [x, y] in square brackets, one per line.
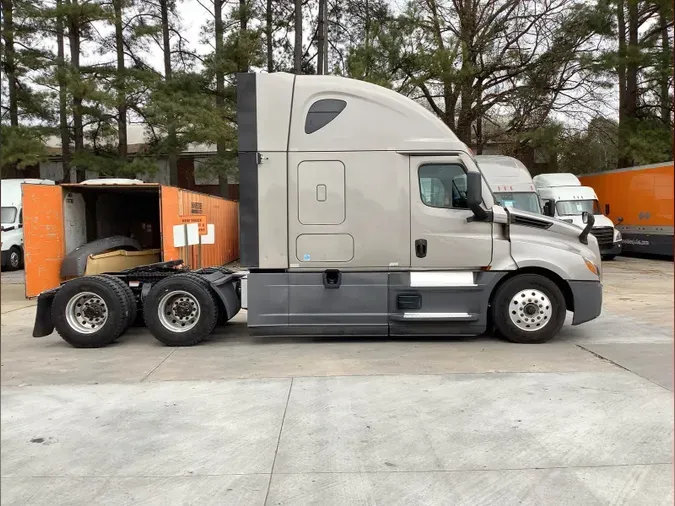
[423, 316]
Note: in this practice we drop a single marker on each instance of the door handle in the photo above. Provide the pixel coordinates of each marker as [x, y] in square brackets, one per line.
[421, 248]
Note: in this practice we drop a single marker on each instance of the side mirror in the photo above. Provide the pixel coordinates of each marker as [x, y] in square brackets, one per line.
[474, 195]
[549, 209]
[589, 220]
[619, 220]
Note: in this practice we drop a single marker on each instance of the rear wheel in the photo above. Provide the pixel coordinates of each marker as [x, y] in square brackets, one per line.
[90, 312]
[528, 309]
[181, 310]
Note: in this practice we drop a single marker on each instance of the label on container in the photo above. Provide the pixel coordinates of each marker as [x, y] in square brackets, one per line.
[199, 219]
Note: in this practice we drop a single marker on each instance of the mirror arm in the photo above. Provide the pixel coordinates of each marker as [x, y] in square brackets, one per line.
[480, 214]
[583, 236]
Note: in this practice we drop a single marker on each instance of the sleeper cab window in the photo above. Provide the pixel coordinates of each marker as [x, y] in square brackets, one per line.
[443, 185]
[323, 112]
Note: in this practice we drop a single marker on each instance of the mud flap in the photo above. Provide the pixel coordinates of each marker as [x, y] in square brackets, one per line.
[43, 317]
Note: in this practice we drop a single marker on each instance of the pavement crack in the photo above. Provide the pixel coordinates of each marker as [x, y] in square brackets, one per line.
[157, 366]
[620, 366]
[276, 450]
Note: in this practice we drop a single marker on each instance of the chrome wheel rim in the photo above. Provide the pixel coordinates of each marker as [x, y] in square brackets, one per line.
[86, 312]
[530, 310]
[178, 311]
[14, 259]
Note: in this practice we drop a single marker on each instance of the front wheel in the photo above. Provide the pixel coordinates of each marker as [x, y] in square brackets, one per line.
[14, 258]
[181, 310]
[528, 309]
[608, 257]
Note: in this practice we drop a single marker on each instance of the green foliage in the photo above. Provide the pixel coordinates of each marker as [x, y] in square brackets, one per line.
[592, 150]
[23, 145]
[648, 142]
[521, 69]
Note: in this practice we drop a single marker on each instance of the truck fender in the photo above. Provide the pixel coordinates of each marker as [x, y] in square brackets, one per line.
[224, 284]
[227, 294]
[43, 316]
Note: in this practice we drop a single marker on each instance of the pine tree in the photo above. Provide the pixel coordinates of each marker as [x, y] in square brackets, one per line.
[26, 115]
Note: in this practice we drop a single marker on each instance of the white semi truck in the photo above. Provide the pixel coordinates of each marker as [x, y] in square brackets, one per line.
[566, 199]
[361, 214]
[510, 182]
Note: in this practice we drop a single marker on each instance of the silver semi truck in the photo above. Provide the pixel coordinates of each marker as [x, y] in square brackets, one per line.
[361, 214]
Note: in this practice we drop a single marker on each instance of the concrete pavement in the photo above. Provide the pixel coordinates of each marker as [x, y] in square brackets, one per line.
[584, 419]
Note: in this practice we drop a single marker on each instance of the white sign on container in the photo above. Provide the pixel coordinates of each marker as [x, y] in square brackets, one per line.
[210, 236]
[192, 233]
[179, 236]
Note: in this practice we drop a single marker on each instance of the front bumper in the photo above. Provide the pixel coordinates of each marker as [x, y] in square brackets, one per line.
[5, 257]
[614, 249]
[587, 297]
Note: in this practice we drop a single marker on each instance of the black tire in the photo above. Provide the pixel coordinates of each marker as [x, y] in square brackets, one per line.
[131, 299]
[14, 259]
[117, 307]
[504, 297]
[200, 291]
[608, 257]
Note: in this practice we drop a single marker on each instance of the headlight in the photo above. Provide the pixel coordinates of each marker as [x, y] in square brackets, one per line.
[617, 235]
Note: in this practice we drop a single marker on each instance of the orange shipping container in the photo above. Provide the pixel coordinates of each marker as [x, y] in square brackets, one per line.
[639, 200]
[58, 219]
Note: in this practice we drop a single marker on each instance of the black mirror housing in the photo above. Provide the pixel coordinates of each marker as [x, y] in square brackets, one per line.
[589, 220]
[474, 195]
[549, 208]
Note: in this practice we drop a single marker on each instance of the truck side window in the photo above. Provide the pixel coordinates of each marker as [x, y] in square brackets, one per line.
[443, 185]
[323, 112]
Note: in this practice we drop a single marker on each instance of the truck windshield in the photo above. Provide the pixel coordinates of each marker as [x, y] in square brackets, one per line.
[524, 201]
[576, 207]
[8, 214]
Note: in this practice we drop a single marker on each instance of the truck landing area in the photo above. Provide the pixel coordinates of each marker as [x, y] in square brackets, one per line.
[583, 419]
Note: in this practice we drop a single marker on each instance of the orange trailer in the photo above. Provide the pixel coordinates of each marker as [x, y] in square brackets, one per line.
[639, 200]
[58, 219]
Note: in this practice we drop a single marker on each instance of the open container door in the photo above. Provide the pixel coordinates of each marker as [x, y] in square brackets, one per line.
[43, 230]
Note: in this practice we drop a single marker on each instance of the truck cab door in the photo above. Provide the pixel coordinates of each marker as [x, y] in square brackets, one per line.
[441, 236]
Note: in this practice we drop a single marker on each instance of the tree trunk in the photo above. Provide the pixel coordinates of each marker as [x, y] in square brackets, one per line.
[243, 23]
[220, 86]
[621, 71]
[321, 38]
[10, 65]
[171, 127]
[63, 97]
[632, 67]
[665, 69]
[268, 35]
[297, 49]
[78, 129]
[120, 83]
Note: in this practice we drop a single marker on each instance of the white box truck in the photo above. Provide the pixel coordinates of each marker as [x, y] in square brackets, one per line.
[12, 221]
[361, 214]
[566, 199]
[510, 182]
